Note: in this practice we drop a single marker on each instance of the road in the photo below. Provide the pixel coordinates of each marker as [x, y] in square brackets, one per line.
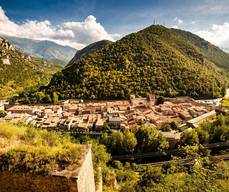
[168, 152]
[187, 161]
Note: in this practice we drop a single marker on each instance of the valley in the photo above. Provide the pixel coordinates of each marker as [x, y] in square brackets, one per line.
[124, 116]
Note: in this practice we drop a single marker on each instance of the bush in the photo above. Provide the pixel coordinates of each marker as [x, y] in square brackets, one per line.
[36, 151]
[3, 113]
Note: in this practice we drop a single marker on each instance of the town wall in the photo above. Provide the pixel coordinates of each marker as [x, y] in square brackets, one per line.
[26, 182]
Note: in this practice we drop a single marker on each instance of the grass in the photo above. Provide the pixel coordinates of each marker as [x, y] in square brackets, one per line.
[225, 102]
[9, 131]
[26, 149]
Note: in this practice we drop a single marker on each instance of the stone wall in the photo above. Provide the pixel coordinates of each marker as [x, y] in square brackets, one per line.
[83, 181]
[19, 182]
[86, 182]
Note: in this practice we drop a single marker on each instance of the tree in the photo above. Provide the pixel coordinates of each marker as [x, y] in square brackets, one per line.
[100, 155]
[39, 96]
[166, 127]
[119, 142]
[151, 177]
[55, 98]
[220, 134]
[149, 139]
[174, 125]
[47, 98]
[129, 142]
[160, 100]
[203, 135]
[189, 137]
[3, 113]
[106, 127]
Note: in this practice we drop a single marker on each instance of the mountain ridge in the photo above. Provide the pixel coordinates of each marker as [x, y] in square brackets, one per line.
[20, 71]
[216, 55]
[44, 49]
[89, 49]
[153, 60]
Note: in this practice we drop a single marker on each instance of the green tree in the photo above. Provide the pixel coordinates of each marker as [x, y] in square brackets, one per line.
[119, 142]
[160, 100]
[40, 96]
[129, 142]
[55, 98]
[151, 177]
[203, 135]
[189, 137]
[149, 139]
[47, 98]
[3, 113]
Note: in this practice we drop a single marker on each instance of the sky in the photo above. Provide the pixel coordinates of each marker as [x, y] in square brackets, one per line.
[78, 23]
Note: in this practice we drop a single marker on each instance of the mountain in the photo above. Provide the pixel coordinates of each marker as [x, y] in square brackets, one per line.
[48, 50]
[154, 60]
[213, 53]
[19, 71]
[226, 50]
[88, 49]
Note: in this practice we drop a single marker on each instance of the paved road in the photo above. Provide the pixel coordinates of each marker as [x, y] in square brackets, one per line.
[168, 152]
[187, 161]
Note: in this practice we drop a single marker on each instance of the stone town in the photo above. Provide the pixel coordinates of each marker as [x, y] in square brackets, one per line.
[91, 117]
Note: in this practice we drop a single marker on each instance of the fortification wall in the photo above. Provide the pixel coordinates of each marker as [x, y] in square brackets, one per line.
[25, 182]
[86, 182]
[20, 182]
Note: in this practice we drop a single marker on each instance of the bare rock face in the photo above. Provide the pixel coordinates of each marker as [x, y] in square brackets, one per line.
[6, 45]
[6, 61]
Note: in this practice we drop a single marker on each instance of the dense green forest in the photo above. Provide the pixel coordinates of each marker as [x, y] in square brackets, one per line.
[87, 50]
[214, 54]
[22, 71]
[156, 59]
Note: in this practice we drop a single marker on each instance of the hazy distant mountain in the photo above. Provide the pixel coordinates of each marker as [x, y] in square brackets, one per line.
[226, 49]
[44, 49]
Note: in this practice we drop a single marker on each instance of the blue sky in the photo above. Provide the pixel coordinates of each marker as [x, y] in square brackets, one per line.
[114, 18]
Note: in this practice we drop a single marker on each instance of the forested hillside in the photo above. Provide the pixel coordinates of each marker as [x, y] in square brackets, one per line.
[156, 59]
[19, 71]
[88, 49]
[214, 54]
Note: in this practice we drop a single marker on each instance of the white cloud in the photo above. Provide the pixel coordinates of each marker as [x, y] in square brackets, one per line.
[175, 27]
[177, 20]
[218, 35]
[76, 34]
